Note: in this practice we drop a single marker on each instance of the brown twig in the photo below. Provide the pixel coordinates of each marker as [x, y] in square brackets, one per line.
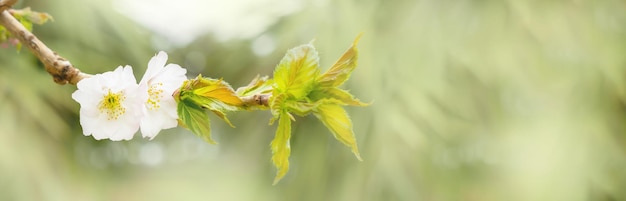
[62, 70]
[6, 4]
[256, 100]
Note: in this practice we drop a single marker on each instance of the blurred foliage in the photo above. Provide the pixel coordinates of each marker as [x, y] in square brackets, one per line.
[26, 17]
[474, 100]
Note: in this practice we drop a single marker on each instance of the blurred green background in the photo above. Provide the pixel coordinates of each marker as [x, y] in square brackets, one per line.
[473, 100]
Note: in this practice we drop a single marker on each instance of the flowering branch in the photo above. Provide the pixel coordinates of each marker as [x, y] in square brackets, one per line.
[114, 106]
[62, 71]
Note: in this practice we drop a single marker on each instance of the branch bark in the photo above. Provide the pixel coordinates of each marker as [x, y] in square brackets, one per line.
[6, 4]
[256, 100]
[62, 71]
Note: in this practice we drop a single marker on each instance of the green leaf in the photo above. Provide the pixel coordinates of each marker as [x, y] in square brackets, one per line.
[254, 95]
[26, 23]
[259, 85]
[340, 71]
[212, 94]
[201, 93]
[218, 91]
[340, 95]
[300, 108]
[337, 121]
[194, 118]
[278, 106]
[26, 17]
[32, 16]
[296, 72]
[281, 149]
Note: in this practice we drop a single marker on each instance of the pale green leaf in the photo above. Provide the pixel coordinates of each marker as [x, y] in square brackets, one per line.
[343, 96]
[296, 72]
[194, 118]
[201, 93]
[254, 95]
[216, 90]
[32, 16]
[215, 106]
[281, 149]
[212, 94]
[277, 105]
[337, 121]
[341, 70]
[259, 85]
[300, 108]
[27, 24]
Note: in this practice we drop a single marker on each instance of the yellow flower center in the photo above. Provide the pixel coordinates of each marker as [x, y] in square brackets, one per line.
[111, 104]
[155, 94]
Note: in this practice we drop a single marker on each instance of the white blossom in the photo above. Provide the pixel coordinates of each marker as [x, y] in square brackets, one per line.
[110, 104]
[158, 84]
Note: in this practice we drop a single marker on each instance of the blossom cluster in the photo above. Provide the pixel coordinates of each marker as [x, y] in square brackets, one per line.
[114, 106]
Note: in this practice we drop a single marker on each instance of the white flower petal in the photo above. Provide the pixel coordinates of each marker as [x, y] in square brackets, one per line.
[159, 83]
[127, 74]
[130, 125]
[110, 104]
[155, 65]
[154, 122]
[172, 76]
[169, 108]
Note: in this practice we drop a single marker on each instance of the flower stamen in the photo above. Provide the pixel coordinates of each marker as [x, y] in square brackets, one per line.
[155, 93]
[111, 104]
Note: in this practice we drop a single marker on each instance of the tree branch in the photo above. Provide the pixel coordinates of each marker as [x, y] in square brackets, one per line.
[6, 4]
[256, 100]
[62, 70]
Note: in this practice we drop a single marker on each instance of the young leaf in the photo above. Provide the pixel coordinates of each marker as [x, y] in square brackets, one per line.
[212, 94]
[300, 108]
[340, 71]
[255, 96]
[217, 90]
[336, 119]
[295, 93]
[32, 16]
[259, 85]
[26, 17]
[341, 95]
[296, 72]
[204, 93]
[195, 119]
[281, 149]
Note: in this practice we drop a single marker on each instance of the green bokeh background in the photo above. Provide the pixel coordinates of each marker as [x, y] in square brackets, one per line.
[473, 100]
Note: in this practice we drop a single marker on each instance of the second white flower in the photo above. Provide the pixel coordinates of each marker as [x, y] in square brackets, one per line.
[159, 82]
